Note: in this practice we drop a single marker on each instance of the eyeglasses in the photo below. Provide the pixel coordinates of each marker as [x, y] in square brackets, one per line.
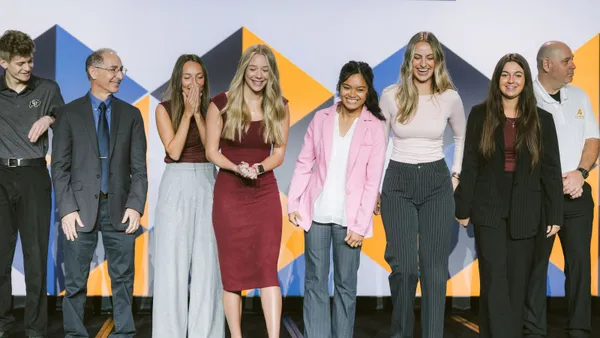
[114, 71]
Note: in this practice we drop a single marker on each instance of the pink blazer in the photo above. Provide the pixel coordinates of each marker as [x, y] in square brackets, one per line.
[365, 166]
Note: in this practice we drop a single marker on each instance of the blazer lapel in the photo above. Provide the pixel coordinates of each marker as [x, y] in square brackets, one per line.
[357, 139]
[500, 139]
[328, 130]
[115, 116]
[89, 123]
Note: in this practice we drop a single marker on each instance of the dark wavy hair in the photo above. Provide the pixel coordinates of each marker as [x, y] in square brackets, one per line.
[528, 123]
[363, 68]
[174, 92]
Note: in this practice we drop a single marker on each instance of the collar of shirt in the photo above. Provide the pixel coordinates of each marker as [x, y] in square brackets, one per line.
[95, 104]
[31, 84]
[544, 95]
[96, 101]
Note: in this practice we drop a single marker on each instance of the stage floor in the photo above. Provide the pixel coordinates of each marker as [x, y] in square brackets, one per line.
[368, 325]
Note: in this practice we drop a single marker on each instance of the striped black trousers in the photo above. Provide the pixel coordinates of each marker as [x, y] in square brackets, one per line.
[417, 208]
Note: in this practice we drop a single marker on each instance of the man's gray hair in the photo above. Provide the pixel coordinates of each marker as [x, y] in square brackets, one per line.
[96, 59]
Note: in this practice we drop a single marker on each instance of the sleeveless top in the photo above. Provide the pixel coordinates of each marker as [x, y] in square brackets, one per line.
[252, 148]
[193, 150]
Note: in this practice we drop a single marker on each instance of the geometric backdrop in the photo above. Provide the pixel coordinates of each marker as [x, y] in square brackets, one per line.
[61, 56]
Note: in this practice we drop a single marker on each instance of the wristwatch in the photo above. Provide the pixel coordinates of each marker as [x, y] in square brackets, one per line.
[260, 169]
[583, 172]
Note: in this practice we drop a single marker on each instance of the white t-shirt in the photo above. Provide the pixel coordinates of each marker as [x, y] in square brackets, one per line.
[574, 119]
[330, 206]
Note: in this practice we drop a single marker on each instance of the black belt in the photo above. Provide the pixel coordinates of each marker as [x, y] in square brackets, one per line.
[23, 162]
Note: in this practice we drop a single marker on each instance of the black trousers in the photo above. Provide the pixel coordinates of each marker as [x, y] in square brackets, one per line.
[575, 238]
[417, 208]
[25, 206]
[120, 251]
[504, 273]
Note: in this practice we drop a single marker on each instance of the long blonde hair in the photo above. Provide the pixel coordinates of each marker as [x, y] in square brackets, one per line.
[407, 97]
[238, 113]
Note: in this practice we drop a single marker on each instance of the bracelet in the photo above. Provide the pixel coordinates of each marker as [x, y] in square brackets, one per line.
[456, 175]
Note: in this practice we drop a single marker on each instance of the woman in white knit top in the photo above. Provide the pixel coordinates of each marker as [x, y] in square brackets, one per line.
[417, 204]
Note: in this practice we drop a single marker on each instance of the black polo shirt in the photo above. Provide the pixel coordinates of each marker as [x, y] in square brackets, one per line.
[18, 113]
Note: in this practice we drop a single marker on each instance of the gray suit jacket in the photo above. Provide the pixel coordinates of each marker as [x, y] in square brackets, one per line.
[76, 162]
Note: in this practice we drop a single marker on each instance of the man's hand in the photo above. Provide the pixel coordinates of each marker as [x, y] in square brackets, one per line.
[39, 128]
[572, 182]
[455, 183]
[577, 193]
[134, 220]
[551, 230]
[69, 222]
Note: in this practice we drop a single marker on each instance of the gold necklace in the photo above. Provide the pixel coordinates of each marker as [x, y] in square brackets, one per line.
[511, 121]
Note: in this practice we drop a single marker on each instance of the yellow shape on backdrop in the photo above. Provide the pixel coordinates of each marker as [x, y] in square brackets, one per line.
[304, 93]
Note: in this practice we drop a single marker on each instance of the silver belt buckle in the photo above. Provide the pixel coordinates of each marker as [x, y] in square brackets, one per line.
[13, 162]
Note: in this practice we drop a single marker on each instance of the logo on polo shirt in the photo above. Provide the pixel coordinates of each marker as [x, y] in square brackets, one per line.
[579, 114]
[34, 103]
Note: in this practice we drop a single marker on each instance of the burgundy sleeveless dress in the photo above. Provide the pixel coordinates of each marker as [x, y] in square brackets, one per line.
[247, 215]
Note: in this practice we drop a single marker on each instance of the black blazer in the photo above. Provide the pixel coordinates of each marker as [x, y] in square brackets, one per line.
[76, 162]
[534, 191]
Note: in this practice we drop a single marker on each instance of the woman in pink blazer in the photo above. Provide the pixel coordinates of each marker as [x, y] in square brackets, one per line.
[334, 203]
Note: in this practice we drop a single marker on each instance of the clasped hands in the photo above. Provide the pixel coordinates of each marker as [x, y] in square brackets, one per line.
[245, 170]
[573, 184]
[192, 102]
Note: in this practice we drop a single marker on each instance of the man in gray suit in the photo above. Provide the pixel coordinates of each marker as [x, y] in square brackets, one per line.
[100, 181]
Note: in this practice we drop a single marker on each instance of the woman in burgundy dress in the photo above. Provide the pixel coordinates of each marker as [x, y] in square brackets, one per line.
[250, 125]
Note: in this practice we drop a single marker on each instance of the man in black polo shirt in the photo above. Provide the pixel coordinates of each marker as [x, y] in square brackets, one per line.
[26, 105]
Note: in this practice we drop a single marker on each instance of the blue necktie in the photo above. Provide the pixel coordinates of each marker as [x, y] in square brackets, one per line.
[103, 142]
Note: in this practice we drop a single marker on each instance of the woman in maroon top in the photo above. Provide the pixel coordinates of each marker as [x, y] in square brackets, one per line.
[184, 237]
[250, 125]
[510, 185]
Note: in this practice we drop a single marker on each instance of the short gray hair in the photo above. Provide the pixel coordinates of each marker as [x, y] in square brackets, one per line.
[96, 59]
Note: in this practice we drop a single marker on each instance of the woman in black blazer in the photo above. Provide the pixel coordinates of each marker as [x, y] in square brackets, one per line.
[510, 186]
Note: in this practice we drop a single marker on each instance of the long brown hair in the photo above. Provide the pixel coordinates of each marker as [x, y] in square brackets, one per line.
[174, 92]
[407, 98]
[238, 113]
[528, 123]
